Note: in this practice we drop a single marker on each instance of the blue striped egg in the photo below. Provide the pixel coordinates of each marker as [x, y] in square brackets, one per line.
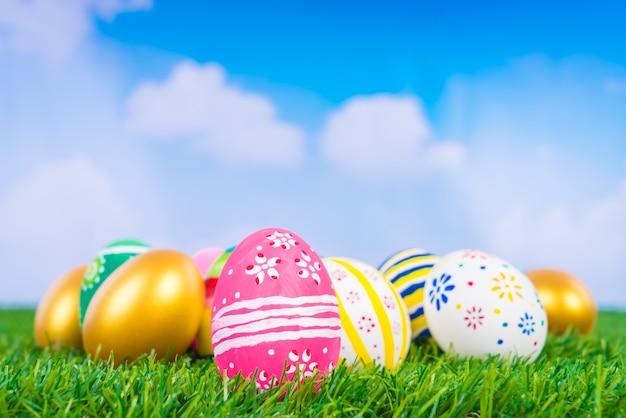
[408, 270]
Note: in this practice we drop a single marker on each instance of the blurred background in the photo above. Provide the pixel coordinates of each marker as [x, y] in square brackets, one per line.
[363, 127]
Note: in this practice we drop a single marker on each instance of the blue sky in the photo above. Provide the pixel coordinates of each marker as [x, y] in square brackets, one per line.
[364, 127]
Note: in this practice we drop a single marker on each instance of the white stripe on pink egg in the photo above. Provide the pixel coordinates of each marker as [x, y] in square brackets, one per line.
[257, 303]
[271, 324]
[238, 319]
[252, 340]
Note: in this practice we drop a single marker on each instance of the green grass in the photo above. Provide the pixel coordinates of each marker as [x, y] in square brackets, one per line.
[574, 376]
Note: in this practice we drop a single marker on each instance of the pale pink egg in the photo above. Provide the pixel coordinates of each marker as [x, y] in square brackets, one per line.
[209, 261]
[205, 258]
[275, 311]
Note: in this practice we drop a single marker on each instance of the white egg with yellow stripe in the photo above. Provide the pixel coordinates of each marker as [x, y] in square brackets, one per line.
[408, 270]
[374, 319]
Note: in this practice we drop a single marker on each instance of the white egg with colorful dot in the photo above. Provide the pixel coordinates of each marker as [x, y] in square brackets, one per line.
[478, 305]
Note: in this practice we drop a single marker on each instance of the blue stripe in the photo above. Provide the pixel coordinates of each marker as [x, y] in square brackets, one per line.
[414, 308]
[403, 259]
[419, 312]
[411, 289]
[423, 334]
[410, 271]
[388, 259]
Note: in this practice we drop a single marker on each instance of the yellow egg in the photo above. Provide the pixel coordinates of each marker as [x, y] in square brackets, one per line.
[56, 317]
[153, 303]
[204, 345]
[203, 339]
[566, 299]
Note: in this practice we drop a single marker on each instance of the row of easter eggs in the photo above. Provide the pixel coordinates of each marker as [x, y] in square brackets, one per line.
[273, 301]
[267, 301]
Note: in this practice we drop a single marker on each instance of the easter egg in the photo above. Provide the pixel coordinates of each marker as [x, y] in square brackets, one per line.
[568, 302]
[275, 312]
[479, 305]
[153, 303]
[374, 320]
[205, 258]
[107, 260]
[212, 264]
[407, 271]
[56, 317]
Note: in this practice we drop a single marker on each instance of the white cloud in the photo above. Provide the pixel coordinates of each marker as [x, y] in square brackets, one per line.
[386, 135]
[591, 244]
[197, 102]
[541, 185]
[55, 28]
[53, 220]
[108, 9]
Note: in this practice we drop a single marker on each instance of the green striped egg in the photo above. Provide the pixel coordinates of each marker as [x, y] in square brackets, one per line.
[106, 262]
[408, 270]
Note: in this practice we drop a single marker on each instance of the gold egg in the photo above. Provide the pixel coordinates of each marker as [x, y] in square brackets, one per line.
[56, 317]
[152, 304]
[203, 343]
[567, 301]
[204, 346]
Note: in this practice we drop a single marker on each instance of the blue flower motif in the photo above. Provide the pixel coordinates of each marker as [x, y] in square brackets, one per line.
[527, 325]
[438, 293]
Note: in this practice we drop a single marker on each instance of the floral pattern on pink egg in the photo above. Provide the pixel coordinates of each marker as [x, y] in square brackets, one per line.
[374, 318]
[478, 305]
[275, 311]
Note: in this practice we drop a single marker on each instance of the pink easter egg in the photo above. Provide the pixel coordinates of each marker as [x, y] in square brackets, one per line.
[205, 258]
[275, 311]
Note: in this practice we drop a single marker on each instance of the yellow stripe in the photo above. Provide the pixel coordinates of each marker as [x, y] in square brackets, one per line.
[405, 318]
[396, 265]
[353, 335]
[394, 259]
[412, 276]
[385, 325]
[418, 324]
[415, 298]
[412, 259]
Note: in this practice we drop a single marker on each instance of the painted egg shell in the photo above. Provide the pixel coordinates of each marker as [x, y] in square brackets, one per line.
[152, 303]
[275, 311]
[205, 258]
[106, 262]
[477, 305]
[566, 299]
[212, 265]
[374, 319]
[407, 271]
[56, 317]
